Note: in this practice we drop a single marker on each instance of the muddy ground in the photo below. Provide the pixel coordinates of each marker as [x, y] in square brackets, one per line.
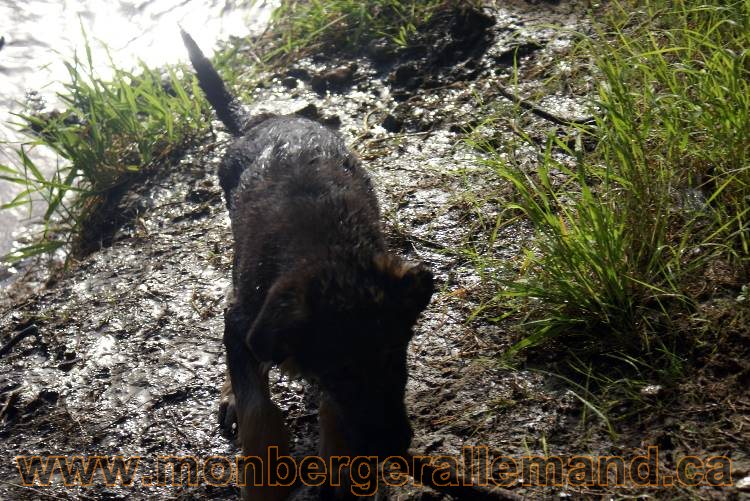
[124, 353]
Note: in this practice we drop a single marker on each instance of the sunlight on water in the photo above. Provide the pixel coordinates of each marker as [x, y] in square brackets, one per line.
[39, 34]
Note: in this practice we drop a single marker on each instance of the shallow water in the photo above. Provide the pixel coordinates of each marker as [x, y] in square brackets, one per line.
[39, 34]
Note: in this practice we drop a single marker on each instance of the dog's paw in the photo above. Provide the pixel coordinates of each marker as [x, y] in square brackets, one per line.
[228, 411]
[228, 417]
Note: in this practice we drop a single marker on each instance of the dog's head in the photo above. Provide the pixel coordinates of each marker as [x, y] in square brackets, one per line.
[350, 334]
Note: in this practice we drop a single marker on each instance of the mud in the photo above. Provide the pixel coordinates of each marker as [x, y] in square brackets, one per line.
[126, 354]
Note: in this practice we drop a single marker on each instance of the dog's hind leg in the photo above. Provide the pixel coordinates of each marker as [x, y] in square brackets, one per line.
[260, 423]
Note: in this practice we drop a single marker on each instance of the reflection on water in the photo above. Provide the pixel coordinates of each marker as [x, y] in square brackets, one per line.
[40, 33]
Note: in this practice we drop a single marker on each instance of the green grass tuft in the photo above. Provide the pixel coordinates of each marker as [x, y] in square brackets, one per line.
[110, 131]
[624, 245]
[303, 26]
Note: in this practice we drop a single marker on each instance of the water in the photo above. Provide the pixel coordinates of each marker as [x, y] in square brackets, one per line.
[39, 34]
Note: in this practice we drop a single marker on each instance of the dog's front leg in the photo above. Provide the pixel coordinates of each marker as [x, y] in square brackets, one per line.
[332, 444]
[260, 424]
[348, 475]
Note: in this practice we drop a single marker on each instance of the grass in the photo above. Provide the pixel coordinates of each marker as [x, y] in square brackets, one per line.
[111, 131]
[314, 25]
[625, 245]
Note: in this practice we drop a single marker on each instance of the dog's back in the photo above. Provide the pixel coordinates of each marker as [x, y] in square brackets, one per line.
[291, 176]
[300, 203]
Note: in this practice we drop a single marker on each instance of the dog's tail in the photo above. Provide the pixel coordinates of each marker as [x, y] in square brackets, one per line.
[226, 105]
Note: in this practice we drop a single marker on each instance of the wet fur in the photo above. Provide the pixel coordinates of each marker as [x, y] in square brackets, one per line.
[313, 285]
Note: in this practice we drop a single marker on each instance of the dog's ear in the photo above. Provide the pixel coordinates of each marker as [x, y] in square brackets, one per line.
[277, 329]
[410, 285]
[415, 289]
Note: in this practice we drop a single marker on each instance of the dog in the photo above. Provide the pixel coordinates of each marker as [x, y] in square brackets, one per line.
[314, 288]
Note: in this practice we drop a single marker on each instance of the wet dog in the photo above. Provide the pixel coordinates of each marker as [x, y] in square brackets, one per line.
[313, 285]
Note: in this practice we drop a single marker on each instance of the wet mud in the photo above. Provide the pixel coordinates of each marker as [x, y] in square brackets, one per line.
[123, 353]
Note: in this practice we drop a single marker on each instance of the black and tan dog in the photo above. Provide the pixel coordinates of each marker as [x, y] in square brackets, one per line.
[314, 287]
